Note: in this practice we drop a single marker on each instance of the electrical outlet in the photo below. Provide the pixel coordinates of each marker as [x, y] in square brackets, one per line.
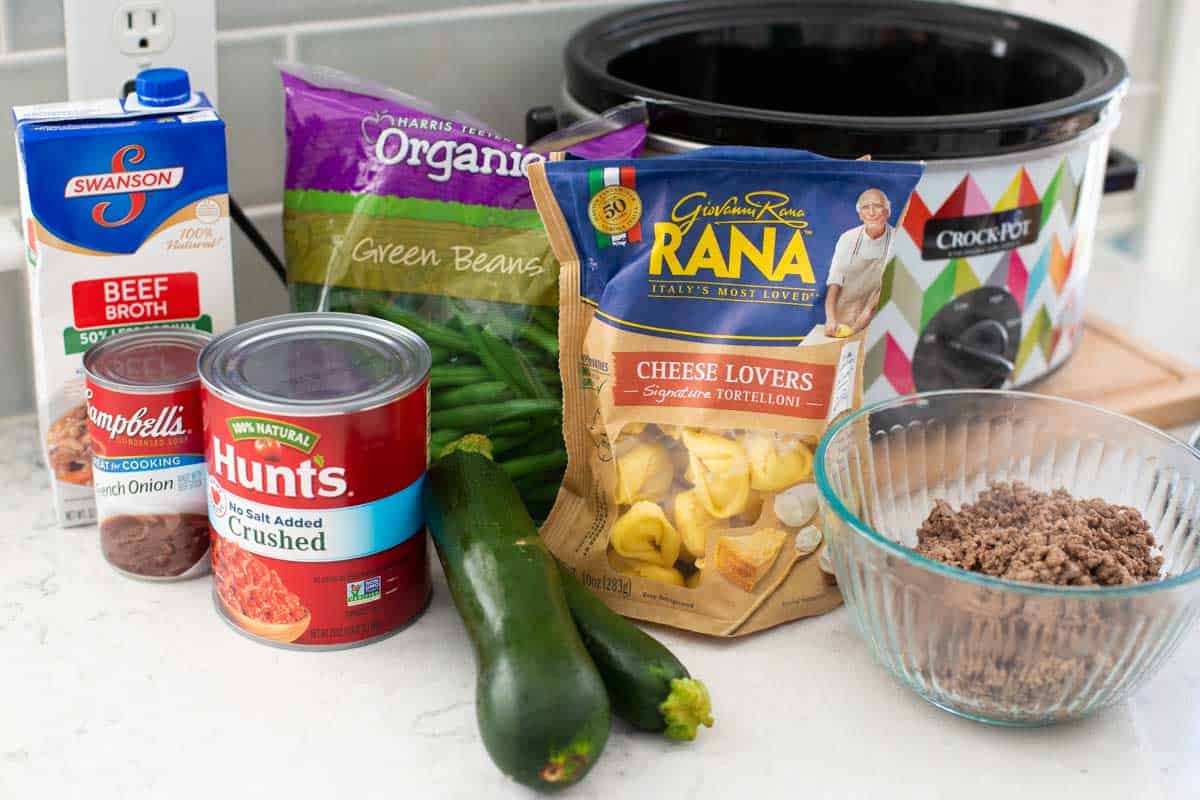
[144, 28]
[110, 41]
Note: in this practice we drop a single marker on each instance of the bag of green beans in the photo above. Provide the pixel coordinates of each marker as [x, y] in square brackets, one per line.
[394, 209]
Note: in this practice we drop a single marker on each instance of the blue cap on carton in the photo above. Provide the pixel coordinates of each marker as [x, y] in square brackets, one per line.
[163, 86]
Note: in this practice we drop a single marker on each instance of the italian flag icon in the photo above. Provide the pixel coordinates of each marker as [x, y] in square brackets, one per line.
[615, 210]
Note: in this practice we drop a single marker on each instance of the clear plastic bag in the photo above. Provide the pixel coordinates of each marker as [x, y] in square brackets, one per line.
[394, 209]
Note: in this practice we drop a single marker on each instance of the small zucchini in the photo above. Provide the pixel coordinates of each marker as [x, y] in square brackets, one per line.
[541, 705]
[647, 685]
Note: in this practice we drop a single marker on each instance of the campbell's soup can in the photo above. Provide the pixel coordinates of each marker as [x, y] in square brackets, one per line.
[143, 416]
[316, 431]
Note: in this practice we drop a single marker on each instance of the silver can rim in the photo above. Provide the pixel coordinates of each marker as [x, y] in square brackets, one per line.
[403, 341]
[198, 338]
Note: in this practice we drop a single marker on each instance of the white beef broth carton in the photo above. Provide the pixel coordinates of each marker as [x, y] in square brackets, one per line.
[125, 209]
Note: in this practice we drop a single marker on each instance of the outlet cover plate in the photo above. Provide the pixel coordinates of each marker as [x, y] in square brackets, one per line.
[97, 38]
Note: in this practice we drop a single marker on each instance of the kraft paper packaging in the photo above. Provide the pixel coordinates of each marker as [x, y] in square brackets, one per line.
[700, 367]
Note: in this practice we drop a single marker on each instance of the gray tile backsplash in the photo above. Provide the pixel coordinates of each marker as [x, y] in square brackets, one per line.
[255, 13]
[33, 24]
[23, 83]
[252, 105]
[455, 64]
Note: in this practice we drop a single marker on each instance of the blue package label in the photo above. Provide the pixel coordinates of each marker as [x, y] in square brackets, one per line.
[734, 245]
[107, 185]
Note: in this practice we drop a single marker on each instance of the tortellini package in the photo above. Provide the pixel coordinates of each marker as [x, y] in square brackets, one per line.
[706, 345]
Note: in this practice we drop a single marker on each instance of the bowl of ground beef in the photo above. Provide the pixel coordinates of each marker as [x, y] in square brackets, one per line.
[1013, 558]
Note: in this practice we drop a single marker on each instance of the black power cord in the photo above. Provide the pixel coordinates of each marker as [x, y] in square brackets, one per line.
[257, 239]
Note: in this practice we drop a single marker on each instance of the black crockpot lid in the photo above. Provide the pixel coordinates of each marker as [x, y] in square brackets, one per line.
[634, 54]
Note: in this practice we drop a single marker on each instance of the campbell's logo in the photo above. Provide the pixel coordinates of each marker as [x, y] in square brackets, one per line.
[954, 237]
[309, 479]
[764, 235]
[141, 424]
[122, 179]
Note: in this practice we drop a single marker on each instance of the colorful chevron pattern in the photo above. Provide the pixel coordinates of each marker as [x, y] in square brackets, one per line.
[1043, 276]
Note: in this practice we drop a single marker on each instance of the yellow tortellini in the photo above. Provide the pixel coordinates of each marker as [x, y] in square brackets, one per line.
[753, 510]
[776, 463]
[688, 490]
[644, 472]
[643, 533]
[676, 431]
[631, 431]
[693, 522]
[720, 472]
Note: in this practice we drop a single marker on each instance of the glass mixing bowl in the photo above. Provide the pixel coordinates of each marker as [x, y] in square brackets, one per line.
[995, 650]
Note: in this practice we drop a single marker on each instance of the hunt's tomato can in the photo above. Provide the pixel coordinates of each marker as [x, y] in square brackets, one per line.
[316, 436]
[143, 417]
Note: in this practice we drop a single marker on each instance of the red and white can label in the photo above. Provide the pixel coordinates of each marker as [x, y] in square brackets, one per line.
[318, 534]
[149, 476]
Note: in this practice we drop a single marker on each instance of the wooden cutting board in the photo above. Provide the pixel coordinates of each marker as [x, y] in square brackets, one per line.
[1116, 371]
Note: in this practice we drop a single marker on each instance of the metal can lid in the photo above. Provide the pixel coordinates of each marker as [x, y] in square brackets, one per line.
[312, 364]
[146, 360]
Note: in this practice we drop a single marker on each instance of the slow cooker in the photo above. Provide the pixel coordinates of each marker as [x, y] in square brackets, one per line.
[984, 287]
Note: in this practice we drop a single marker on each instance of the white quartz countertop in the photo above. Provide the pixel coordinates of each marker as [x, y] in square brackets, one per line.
[113, 688]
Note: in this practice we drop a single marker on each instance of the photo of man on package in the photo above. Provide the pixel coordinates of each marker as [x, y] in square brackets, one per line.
[856, 270]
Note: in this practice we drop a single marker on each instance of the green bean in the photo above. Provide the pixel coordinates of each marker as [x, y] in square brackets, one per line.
[482, 392]
[549, 438]
[514, 364]
[475, 335]
[547, 375]
[474, 416]
[457, 375]
[440, 354]
[544, 340]
[510, 428]
[502, 444]
[431, 332]
[547, 319]
[528, 465]
[546, 493]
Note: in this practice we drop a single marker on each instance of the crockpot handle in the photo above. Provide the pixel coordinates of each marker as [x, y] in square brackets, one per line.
[1121, 172]
[541, 121]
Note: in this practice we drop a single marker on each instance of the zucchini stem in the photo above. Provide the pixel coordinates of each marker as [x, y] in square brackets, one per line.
[471, 443]
[686, 707]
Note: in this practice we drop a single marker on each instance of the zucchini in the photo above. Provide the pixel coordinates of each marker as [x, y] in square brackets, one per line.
[647, 685]
[541, 705]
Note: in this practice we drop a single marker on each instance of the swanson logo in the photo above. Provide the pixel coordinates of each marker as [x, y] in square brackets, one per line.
[243, 428]
[135, 182]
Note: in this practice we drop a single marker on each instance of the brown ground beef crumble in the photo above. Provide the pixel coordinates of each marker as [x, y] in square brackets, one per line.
[1021, 534]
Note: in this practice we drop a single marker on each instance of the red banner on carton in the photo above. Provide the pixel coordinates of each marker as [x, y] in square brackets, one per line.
[135, 299]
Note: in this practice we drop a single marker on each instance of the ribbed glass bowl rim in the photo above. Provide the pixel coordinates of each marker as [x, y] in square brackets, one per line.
[916, 559]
